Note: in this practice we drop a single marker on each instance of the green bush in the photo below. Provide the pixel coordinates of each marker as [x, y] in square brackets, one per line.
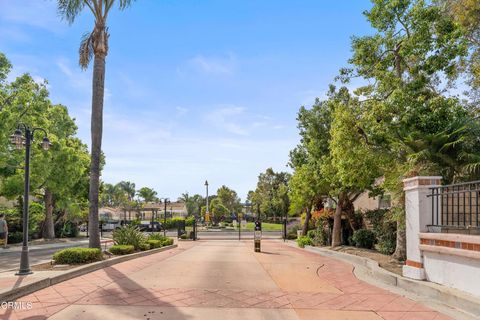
[15, 237]
[319, 236]
[156, 236]
[129, 235]
[154, 243]
[364, 238]
[77, 255]
[13, 216]
[183, 236]
[311, 234]
[167, 242]
[304, 241]
[292, 232]
[171, 223]
[144, 246]
[189, 221]
[66, 229]
[121, 249]
[384, 227]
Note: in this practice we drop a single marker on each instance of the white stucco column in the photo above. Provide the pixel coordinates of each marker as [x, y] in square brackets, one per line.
[418, 210]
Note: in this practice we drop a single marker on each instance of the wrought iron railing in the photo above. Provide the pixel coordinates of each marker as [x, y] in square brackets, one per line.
[456, 205]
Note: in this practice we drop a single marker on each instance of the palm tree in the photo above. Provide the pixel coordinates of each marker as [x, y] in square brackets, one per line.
[147, 194]
[94, 44]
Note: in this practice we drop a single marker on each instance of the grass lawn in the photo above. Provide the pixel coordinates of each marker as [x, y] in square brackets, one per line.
[265, 226]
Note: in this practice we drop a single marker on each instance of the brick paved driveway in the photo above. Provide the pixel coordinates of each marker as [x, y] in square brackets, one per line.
[222, 280]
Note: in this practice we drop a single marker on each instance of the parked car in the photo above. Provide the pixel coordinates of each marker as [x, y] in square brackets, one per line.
[110, 225]
[149, 226]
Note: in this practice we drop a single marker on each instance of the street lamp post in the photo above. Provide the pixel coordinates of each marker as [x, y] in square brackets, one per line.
[165, 217]
[206, 186]
[24, 136]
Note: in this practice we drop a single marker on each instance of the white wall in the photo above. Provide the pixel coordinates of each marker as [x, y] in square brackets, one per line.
[453, 271]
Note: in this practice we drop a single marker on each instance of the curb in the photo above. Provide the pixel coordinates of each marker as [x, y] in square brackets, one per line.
[368, 269]
[79, 271]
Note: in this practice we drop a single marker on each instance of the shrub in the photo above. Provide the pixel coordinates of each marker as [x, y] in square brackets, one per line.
[364, 238]
[292, 232]
[13, 216]
[319, 236]
[384, 227]
[156, 236]
[144, 246]
[304, 241]
[121, 249]
[15, 237]
[167, 242]
[189, 221]
[311, 234]
[77, 255]
[66, 229]
[154, 243]
[129, 235]
[183, 236]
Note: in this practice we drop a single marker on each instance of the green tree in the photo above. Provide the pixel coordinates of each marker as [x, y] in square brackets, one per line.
[229, 199]
[307, 187]
[57, 176]
[404, 111]
[94, 44]
[271, 194]
[147, 194]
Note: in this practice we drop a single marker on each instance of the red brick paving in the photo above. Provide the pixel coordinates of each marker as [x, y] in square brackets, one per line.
[354, 295]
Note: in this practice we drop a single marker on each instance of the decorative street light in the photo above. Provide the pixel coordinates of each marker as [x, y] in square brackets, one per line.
[206, 185]
[165, 201]
[24, 136]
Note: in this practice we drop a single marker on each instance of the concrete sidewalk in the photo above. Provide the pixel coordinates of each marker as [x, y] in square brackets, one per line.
[222, 280]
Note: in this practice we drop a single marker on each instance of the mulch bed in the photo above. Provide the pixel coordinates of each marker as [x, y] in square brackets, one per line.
[386, 262]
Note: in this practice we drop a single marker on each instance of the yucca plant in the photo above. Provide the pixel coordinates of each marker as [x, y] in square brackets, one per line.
[129, 235]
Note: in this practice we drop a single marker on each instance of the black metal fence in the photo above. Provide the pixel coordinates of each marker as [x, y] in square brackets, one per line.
[456, 205]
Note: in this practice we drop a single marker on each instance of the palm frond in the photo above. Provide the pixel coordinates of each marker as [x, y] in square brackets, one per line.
[85, 51]
[69, 9]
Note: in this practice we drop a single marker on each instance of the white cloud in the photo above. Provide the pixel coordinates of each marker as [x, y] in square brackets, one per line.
[75, 76]
[219, 66]
[225, 118]
[181, 111]
[34, 13]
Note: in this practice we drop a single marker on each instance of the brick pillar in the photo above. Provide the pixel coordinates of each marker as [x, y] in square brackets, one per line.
[418, 210]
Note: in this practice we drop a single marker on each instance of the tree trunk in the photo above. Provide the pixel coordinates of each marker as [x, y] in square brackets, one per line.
[337, 221]
[308, 216]
[349, 210]
[48, 227]
[401, 248]
[98, 84]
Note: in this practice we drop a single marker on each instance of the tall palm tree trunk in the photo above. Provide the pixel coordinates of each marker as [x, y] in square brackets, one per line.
[98, 84]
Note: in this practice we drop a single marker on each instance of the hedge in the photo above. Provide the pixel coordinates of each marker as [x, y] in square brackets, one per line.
[121, 249]
[167, 242]
[304, 241]
[77, 255]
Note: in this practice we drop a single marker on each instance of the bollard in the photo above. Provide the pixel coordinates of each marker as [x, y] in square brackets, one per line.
[257, 236]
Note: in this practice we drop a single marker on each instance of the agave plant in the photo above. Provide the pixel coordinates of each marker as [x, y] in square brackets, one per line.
[129, 235]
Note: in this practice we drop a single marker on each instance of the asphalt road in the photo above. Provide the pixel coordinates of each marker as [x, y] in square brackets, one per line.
[11, 259]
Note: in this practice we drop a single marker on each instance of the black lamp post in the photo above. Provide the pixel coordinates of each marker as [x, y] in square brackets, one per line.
[24, 136]
[206, 186]
[165, 201]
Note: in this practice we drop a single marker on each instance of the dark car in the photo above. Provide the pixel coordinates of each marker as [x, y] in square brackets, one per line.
[148, 226]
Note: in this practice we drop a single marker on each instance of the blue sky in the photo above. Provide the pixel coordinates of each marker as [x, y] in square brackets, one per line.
[195, 89]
